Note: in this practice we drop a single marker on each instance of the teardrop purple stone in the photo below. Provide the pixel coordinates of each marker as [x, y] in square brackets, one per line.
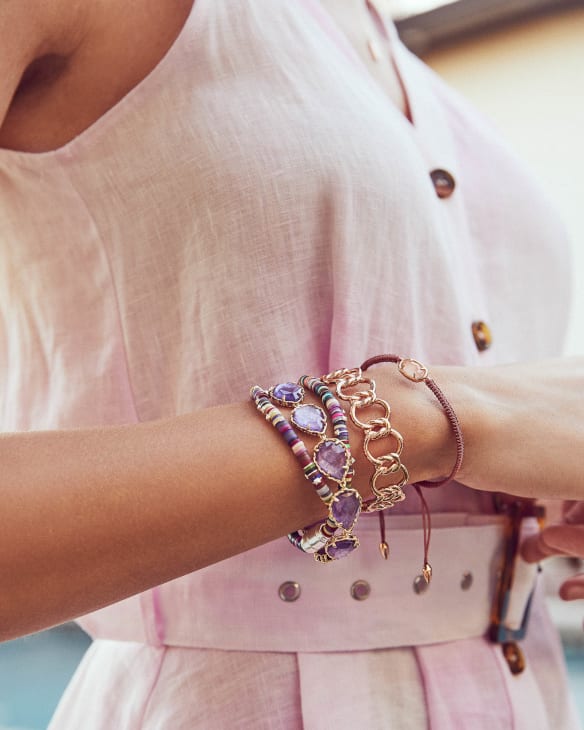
[288, 392]
[341, 549]
[309, 418]
[345, 509]
[332, 459]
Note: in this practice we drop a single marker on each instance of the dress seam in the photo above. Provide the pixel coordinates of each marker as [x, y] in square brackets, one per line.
[498, 648]
[298, 679]
[155, 679]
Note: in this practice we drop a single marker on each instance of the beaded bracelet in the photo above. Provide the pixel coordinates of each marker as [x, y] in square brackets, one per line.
[330, 454]
[332, 459]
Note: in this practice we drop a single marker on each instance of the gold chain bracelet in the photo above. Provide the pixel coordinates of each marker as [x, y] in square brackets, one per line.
[386, 465]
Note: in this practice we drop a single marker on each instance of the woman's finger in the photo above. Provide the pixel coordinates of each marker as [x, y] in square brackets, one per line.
[554, 540]
[566, 539]
[573, 588]
[574, 514]
[534, 549]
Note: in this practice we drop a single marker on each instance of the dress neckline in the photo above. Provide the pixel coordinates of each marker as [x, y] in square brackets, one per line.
[89, 134]
[391, 40]
[199, 8]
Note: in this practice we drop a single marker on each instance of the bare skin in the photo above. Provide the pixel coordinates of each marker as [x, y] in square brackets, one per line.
[81, 57]
[94, 515]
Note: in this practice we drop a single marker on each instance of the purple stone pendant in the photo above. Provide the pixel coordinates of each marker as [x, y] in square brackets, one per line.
[322, 557]
[345, 508]
[287, 394]
[341, 546]
[310, 419]
[333, 459]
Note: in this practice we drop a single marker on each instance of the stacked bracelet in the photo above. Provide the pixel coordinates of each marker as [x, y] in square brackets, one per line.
[416, 372]
[333, 538]
[331, 460]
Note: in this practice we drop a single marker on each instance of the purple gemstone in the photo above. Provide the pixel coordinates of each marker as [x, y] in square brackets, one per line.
[345, 509]
[288, 392]
[341, 548]
[332, 459]
[309, 418]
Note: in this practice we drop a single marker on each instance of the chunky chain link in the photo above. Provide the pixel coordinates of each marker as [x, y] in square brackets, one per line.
[388, 465]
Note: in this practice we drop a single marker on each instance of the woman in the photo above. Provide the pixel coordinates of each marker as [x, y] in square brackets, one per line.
[197, 199]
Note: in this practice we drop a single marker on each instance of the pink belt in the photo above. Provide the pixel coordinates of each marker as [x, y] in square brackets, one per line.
[274, 598]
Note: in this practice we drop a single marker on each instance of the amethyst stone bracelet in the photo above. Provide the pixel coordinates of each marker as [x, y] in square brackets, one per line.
[332, 460]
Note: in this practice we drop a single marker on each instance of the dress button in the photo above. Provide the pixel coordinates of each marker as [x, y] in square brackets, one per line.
[443, 183]
[360, 590]
[466, 581]
[514, 657]
[482, 335]
[289, 591]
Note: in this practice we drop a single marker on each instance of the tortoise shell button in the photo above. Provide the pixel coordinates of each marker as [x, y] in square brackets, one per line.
[514, 657]
[444, 183]
[482, 335]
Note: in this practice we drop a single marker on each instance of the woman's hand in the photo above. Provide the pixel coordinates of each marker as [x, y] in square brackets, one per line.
[566, 539]
[523, 426]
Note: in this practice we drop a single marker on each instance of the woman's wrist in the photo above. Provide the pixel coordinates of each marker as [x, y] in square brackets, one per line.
[429, 446]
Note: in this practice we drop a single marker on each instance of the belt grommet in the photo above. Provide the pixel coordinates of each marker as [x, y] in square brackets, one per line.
[360, 590]
[289, 591]
[420, 584]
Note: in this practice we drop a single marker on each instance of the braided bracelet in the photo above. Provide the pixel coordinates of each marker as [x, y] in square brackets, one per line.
[414, 371]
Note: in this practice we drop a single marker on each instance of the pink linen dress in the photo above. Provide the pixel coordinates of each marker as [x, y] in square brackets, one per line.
[257, 208]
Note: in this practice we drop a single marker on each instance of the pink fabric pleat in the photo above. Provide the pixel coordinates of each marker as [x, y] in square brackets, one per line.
[464, 687]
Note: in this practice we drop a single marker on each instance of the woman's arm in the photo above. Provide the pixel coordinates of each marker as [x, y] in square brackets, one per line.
[91, 516]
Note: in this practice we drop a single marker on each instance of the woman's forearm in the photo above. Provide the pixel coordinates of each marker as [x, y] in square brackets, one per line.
[92, 516]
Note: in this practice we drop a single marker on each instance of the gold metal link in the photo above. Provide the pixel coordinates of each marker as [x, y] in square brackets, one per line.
[388, 464]
[380, 472]
[365, 425]
[346, 375]
[378, 428]
[395, 454]
[362, 396]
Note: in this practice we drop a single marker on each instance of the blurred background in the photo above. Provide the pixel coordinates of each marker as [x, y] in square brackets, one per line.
[522, 63]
